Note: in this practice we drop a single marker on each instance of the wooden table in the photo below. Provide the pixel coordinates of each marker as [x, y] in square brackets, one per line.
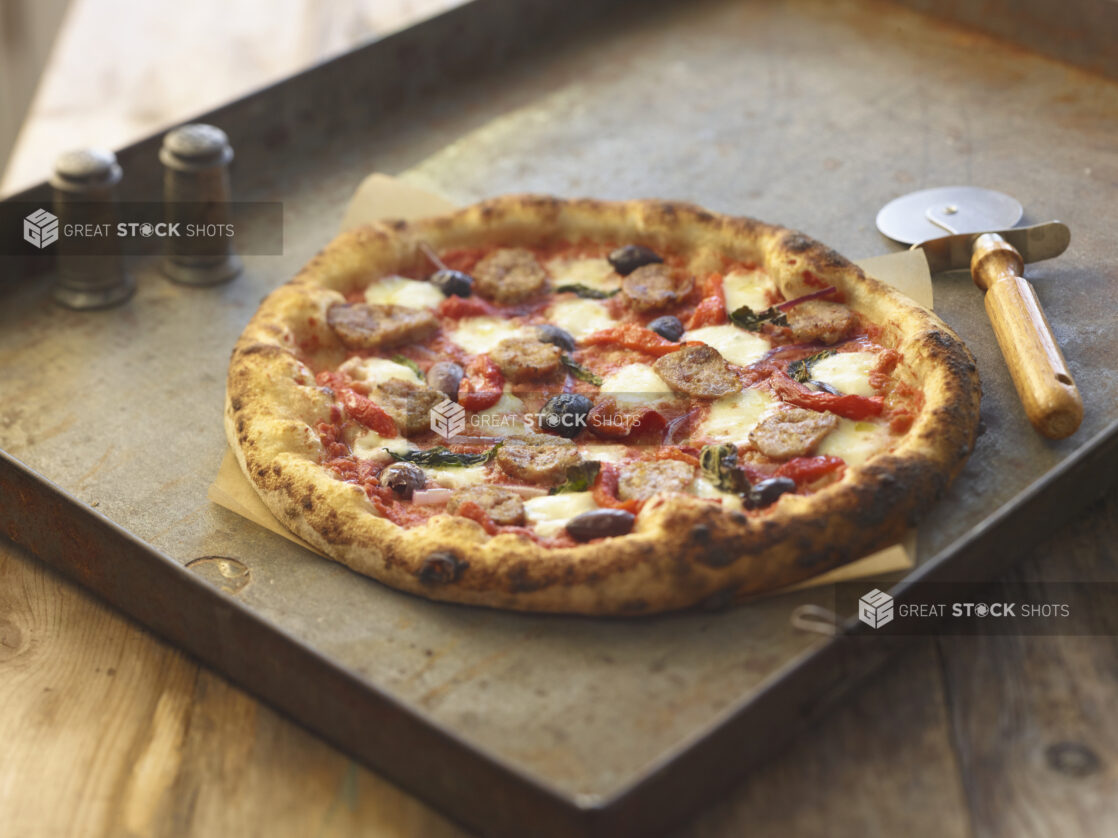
[108, 731]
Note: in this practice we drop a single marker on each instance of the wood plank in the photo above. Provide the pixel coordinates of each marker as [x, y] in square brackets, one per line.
[108, 731]
[880, 765]
[1033, 717]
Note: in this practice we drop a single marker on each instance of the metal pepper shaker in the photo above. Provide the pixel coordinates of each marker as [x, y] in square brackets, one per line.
[91, 272]
[196, 193]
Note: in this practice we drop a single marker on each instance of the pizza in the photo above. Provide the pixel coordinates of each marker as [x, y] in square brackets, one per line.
[595, 407]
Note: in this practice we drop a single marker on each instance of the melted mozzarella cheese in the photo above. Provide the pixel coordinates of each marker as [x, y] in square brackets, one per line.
[732, 417]
[603, 452]
[505, 418]
[456, 477]
[735, 345]
[508, 403]
[746, 288]
[703, 488]
[370, 446]
[855, 442]
[400, 291]
[593, 273]
[478, 335]
[847, 372]
[550, 513]
[636, 384]
[579, 317]
[377, 370]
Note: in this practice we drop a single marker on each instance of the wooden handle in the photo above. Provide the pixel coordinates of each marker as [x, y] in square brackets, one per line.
[1039, 370]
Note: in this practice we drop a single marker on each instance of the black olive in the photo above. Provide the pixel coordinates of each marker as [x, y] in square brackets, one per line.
[445, 376]
[600, 523]
[766, 492]
[667, 327]
[556, 337]
[404, 479]
[824, 386]
[452, 282]
[627, 259]
[565, 414]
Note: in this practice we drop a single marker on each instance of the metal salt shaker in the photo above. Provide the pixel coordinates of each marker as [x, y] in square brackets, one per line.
[91, 272]
[196, 191]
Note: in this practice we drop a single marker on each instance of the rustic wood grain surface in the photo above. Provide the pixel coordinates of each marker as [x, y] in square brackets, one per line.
[121, 69]
[107, 731]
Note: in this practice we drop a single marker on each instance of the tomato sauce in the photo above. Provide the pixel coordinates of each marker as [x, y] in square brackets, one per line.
[668, 427]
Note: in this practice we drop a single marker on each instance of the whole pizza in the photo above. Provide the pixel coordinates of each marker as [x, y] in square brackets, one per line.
[593, 407]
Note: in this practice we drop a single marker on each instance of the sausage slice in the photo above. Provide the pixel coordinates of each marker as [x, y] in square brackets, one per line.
[379, 326]
[525, 358]
[698, 371]
[509, 275]
[791, 432]
[655, 286]
[818, 321]
[407, 402]
[645, 478]
[504, 506]
[538, 459]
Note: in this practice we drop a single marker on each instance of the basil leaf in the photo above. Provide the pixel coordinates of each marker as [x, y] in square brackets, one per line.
[719, 464]
[579, 478]
[580, 372]
[586, 292]
[801, 370]
[409, 363]
[441, 456]
[752, 321]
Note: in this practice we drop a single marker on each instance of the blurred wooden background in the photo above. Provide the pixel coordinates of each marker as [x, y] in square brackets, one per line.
[121, 69]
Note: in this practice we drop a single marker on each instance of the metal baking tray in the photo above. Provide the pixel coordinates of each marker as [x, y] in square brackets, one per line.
[804, 113]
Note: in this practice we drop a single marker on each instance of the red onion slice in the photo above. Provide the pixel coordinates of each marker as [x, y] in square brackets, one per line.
[430, 497]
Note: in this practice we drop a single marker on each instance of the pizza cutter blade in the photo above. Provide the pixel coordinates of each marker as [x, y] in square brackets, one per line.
[932, 213]
[957, 226]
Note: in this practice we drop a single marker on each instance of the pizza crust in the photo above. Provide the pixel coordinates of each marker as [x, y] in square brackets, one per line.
[683, 551]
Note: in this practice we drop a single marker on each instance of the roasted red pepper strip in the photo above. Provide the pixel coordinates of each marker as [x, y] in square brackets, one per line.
[676, 454]
[632, 336]
[605, 491]
[459, 307]
[482, 386]
[474, 512]
[362, 410]
[462, 259]
[610, 421]
[809, 469]
[847, 406]
[712, 310]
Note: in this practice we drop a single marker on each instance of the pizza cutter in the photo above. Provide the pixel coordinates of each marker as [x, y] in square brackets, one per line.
[961, 226]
